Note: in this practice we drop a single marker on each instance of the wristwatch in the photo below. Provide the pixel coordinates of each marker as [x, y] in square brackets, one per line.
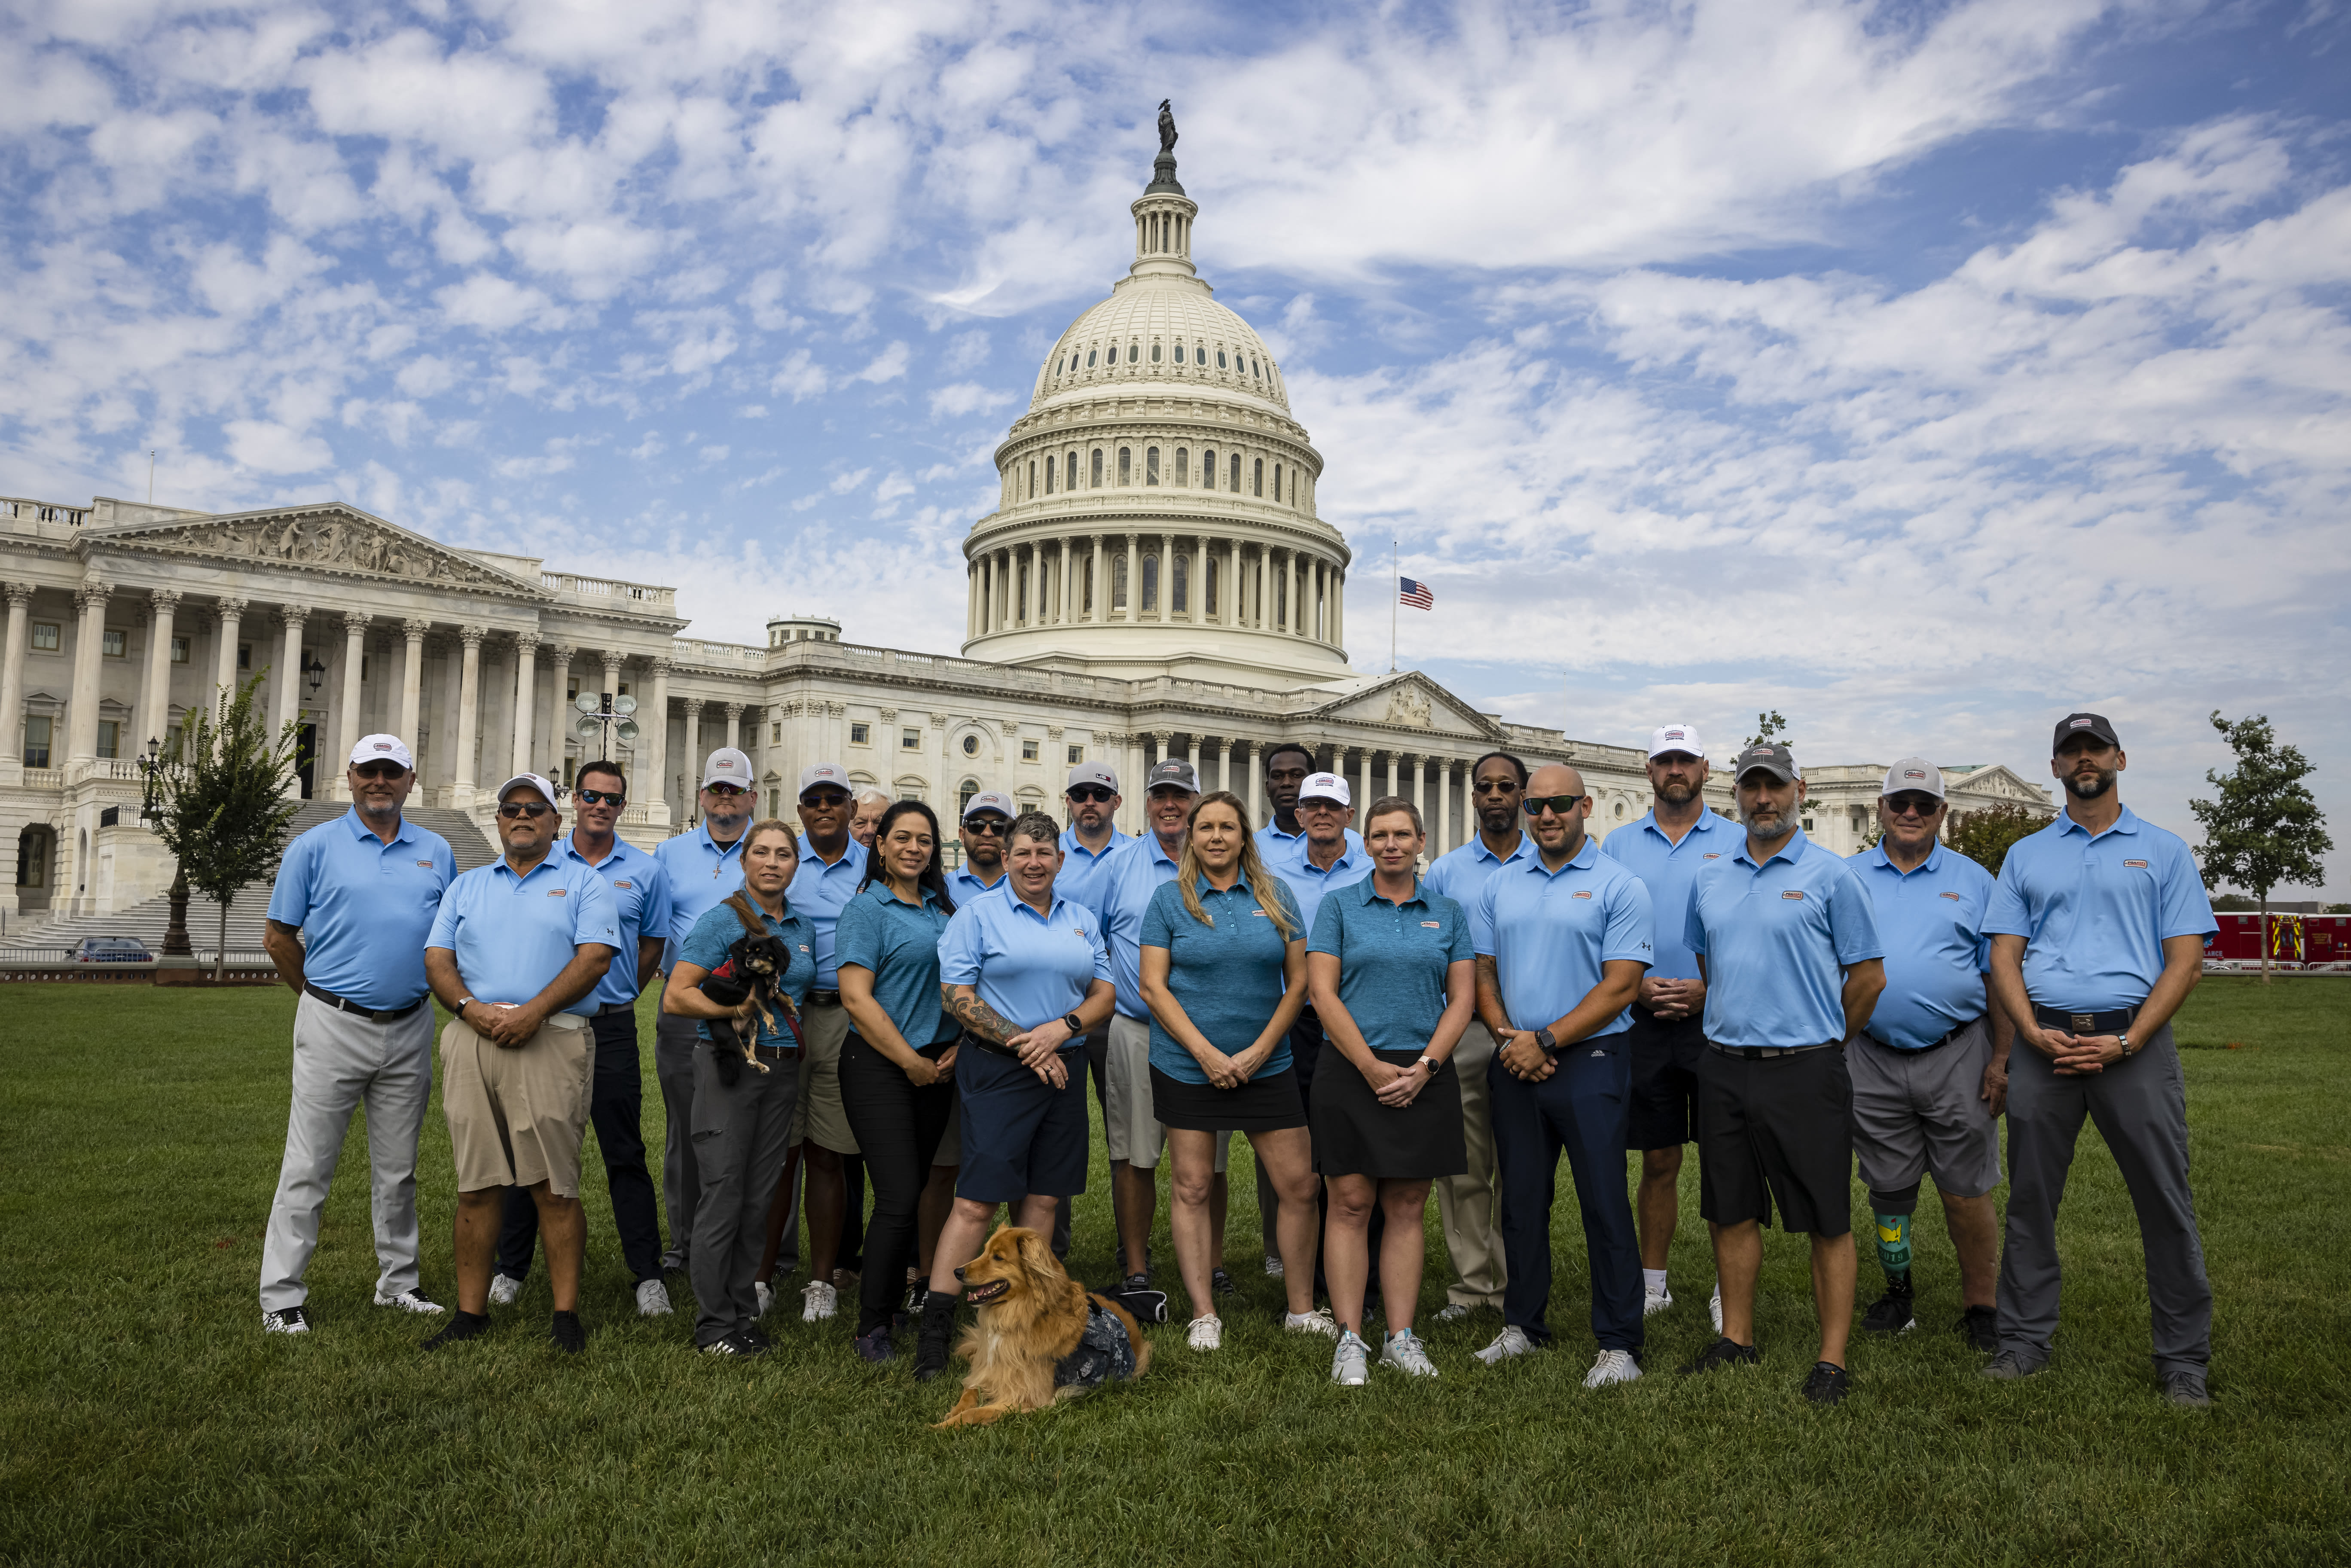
[2129, 1050]
[1071, 1020]
[1549, 1044]
[1434, 1064]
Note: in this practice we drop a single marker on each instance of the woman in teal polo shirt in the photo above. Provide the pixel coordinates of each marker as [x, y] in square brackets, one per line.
[1393, 977]
[1224, 973]
[897, 1066]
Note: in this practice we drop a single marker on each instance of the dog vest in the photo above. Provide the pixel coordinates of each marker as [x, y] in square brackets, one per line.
[1103, 1353]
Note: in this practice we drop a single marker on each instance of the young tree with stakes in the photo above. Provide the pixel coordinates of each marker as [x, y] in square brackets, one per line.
[225, 806]
[2264, 830]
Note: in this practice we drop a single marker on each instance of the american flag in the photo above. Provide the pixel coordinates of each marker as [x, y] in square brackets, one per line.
[1415, 595]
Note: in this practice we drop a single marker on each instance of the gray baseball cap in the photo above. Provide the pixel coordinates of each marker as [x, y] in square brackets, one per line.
[1099, 773]
[1774, 760]
[1914, 773]
[991, 801]
[1170, 771]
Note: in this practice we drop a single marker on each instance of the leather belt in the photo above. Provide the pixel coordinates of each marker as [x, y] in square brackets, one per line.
[370, 1014]
[2113, 1022]
[1932, 1045]
[1764, 1053]
[616, 1007]
[824, 998]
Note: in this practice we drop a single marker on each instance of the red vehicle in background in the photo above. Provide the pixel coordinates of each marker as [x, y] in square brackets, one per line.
[2239, 943]
[2327, 941]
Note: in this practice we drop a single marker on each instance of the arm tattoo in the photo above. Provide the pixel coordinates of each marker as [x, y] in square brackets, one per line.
[975, 1016]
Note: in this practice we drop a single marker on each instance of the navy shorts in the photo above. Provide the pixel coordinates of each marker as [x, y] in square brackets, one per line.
[1021, 1135]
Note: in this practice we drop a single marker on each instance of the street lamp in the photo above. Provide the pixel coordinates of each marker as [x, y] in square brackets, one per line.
[317, 670]
[151, 770]
[605, 719]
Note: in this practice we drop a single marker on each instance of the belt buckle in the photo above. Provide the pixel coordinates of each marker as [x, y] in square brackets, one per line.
[2083, 1023]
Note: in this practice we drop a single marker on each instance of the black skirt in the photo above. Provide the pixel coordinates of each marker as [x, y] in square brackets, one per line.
[1355, 1135]
[1260, 1105]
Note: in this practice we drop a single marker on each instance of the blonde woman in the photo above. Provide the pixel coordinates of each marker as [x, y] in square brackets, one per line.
[1224, 974]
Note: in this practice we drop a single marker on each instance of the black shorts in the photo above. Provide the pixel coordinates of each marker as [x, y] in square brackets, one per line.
[1665, 1053]
[1776, 1130]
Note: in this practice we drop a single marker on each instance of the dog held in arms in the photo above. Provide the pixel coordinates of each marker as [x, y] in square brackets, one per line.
[1040, 1337]
[755, 962]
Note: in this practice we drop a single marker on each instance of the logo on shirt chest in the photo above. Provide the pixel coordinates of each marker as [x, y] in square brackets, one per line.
[625, 882]
[1432, 925]
[558, 892]
[424, 865]
[1794, 893]
[2136, 866]
[1581, 893]
[1711, 855]
[1954, 897]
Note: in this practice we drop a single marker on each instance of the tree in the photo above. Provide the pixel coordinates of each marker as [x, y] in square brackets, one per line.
[1984, 836]
[225, 809]
[1770, 729]
[2264, 830]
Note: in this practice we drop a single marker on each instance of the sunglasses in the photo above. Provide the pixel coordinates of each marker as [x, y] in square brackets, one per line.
[1496, 786]
[1912, 806]
[1091, 793]
[1561, 804]
[725, 791]
[379, 769]
[824, 798]
[600, 797]
[534, 810]
[986, 827]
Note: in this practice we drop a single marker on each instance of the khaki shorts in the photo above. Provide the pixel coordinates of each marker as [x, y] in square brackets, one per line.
[818, 1115]
[516, 1116]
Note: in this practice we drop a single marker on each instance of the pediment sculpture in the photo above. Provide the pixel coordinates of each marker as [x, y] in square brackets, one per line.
[327, 539]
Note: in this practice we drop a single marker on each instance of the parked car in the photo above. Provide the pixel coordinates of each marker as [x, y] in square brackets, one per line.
[111, 950]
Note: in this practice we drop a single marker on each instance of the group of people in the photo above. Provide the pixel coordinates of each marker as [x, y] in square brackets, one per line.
[1373, 1027]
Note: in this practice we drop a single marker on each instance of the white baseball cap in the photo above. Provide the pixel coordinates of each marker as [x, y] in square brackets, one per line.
[832, 773]
[1914, 773]
[382, 749]
[538, 781]
[1682, 738]
[1325, 787]
[726, 766]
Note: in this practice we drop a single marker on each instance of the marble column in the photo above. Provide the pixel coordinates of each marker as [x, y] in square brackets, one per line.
[1224, 764]
[971, 599]
[288, 676]
[155, 687]
[1363, 790]
[1067, 607]
[412, 679]
[1133, 577]
[470, 713]
[558, 708]
[735, 726]
[652, 719]
[1392, 773]
[1254, 762]
[1338, 608]
[1443, 804]
[12, 683]
[81, 736]
[225, 640]
[347, 737]
[525, 701]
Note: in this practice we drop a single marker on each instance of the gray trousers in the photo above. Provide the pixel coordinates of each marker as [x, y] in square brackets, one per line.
[2140, 1107]
[341, 1062]
[739, 1138]
[673, 1042]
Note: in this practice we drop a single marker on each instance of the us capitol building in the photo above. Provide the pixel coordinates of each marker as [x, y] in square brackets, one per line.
[1154, 582]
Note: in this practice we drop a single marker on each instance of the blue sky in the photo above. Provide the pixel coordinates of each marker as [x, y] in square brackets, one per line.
[1922, 371]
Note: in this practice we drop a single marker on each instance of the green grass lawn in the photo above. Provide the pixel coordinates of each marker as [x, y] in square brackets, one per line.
[147, 1418]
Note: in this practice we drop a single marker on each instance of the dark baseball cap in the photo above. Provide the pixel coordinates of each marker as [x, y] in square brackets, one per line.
[1171, 774]
[2090, 724]
[1774, 759]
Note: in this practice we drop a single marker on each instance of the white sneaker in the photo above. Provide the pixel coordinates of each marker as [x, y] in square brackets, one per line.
[1513, 1340]
[1206, 1333]
[1406, 1352]
[1272, 1267]
[1351, 1363]
[1714, 1308]
[819, 1301]
[286, 1319]
[415, 1302]
[1613, 1367]
[1656, 1301]
[1453, 1312]
[503, 1288]
[652, 1298]
[1317, 1320]
[766, 1294]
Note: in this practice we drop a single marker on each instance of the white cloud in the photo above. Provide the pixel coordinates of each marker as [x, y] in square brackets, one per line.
[886, 366]
[496, 304]
[270, 448]
[966, 397]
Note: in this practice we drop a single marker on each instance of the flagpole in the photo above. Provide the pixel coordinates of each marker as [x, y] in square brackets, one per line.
[1396, 565]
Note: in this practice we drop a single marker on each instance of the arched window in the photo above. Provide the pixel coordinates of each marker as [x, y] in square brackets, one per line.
[1220, 359]
[1277, 481]
[1208, 469]
[1151, 582]
[1032, 479]
[1179, 353]
[1257, 477]
[1255, 371]
[1181, 582]
[1155, 353]
[1200, 353]
[1126, 465]
[1151, 465]
[1049, 475]
[1133, 352]
[964, 792]
[1236, 471]
[1098, 472]
[1183, 475]
[1118, 579]
[1090, 359]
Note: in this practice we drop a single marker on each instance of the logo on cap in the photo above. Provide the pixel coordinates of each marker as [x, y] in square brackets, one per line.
[1913, 773]
[2077, 724]
[383, 746]
[1673, 735]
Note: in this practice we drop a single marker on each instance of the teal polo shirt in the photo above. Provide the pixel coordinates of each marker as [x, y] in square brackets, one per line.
[1226, 974]
[1393, 960]
[897, 943]
[1549, 932]
[717, 929]
[1028, 968]
[641, 891]
[701, 872]
[2094, 910]
[364, 907]
[513, 934]
[1667, 868]
[1931, 921]
[821, 892]
[1777, 939]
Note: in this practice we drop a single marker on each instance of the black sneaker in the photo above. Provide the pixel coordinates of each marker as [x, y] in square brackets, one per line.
[2186, 1389]
[1892, 1314]
[1828, 1384]
[567, 1333]
[757, 1338]
[735, 1345]
[463, 1326]
[1136, 1281]
[874, 1347]
[1221, 1282]
[938, 1334]
[286, 1319]
[1981, 1327]
[1723, 1353]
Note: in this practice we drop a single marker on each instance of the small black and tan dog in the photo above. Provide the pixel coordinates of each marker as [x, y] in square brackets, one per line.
[756, 962]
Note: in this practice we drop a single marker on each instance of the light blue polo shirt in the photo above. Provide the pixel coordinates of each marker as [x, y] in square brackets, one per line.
[512, 935]
[2094, 912]
[1667, 868]
[364, 907]
[641, 890]
[701, 872]
[1028, 968]
[1279, 848]
[897, 943]
[715, 930]
[821, 892]
[1128, 880]
[1225, 976]
[963, 886]
[1461, 874]
[1777, 939]
[1311, 884]
[1549, 932]
[1931, 921]
[1082, 868]
[1393, 960]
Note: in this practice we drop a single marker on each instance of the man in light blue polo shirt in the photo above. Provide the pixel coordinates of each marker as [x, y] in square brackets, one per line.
[1930, 1073]
[1562, 936]
[1092, 836]
[1665, 849]
[2097, 927]
[600, 792]
[517, 947]
[1283, 838]
[702, 867]
[1465, 1204]
[1788, 946]
[986, 819]
[365, 887]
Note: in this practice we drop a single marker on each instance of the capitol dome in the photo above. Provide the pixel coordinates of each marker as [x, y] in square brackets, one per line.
[1156, 511]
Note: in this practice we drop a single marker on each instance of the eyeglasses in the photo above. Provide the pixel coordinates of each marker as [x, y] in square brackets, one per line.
[600, 797]
[1496, 786]
[1912, 805]
[534, 810]
[379, 769]
[987, 827]
[725, 791]
[1091, 793]
[1561, 804]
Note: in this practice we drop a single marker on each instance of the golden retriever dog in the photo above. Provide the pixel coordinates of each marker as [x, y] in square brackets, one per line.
[1040, 1338]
